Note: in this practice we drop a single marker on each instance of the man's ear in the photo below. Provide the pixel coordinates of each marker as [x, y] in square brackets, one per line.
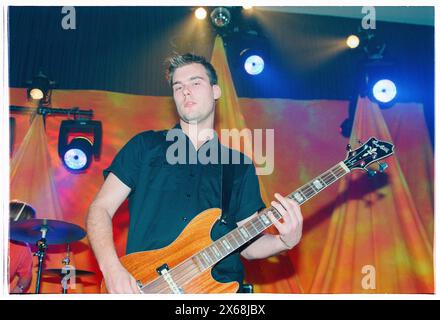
[217, 91]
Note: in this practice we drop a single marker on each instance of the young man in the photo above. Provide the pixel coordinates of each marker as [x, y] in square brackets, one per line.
[164, 197]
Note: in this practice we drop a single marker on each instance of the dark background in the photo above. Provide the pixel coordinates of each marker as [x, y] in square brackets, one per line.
[123, 49]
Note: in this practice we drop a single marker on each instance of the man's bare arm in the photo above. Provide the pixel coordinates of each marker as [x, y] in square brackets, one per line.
[100, 233]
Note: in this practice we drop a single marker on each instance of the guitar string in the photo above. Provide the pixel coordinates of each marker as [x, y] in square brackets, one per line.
[184, 275]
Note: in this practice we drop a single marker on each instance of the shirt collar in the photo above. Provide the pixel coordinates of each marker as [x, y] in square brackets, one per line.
[215, 139]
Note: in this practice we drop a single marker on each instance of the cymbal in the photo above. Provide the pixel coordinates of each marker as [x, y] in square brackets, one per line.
[20, 210]
[77, 272]
[57, 232]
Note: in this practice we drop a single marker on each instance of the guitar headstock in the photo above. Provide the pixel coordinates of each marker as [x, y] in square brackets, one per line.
[369, 152]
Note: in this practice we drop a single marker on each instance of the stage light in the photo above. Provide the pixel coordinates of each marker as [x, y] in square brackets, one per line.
[200, 13]
[384, 91]
[254, 65]
[381, 82]
[77, 155]
[220, 17]
[40, 88]
[352, 41]
[252, 60]
[247, 7]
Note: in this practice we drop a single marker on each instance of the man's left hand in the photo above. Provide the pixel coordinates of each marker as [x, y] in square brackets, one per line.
[290, 229]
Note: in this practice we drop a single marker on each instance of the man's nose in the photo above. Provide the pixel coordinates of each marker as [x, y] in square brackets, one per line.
[186, 91]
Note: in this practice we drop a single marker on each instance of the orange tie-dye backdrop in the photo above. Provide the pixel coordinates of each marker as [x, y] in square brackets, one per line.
[385, 222]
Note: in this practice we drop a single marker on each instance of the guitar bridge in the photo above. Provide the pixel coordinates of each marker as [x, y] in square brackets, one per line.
[162, 268]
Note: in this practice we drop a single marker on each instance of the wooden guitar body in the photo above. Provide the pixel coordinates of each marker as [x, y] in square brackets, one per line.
[195, 237]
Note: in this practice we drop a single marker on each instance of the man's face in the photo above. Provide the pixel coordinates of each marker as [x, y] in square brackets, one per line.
[193, 94]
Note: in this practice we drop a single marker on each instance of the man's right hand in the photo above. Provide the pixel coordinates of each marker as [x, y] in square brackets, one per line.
[119, 280]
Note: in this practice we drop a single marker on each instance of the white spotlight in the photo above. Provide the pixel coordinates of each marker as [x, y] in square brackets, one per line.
[352, 41]
[200, 13]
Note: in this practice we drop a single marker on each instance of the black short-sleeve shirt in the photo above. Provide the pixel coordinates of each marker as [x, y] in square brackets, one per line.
[165, 197]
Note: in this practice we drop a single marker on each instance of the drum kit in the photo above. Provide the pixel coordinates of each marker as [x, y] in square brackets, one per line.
[45, 232]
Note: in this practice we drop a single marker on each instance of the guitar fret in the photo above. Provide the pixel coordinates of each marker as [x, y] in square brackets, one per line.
[276, 214]
[226, 244]
[205, 263]
[265, 219]
[258, 225]
[315, 190]
[239, 237]
[339, 171]
[305, 193]
[331, 171]
[212, 254]
[310, 191]
[299, 196]
[250, 230]
[198, 263]
[318, 184]
[206, 257]
[216, 251]
[327, 176]
[244, 233]
[222, 249]
[232, 241]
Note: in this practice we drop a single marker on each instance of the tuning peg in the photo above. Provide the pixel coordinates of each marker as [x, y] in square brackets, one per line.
[360, 142]
[348, 147]
[382, 166]
[371, 172]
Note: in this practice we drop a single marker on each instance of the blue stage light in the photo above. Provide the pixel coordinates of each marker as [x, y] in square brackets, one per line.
[384, 91]
[84, 145]
[78, 155]
[254, 65]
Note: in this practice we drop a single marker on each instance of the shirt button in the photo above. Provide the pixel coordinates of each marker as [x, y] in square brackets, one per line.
[188, 195]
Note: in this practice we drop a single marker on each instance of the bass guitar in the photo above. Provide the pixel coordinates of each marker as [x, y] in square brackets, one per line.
[185, 265]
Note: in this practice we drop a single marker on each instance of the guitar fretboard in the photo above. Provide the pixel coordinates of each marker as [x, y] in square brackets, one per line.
[243, 234]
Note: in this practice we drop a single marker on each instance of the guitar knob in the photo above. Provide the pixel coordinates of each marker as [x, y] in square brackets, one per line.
[382, 166]
[371, 173]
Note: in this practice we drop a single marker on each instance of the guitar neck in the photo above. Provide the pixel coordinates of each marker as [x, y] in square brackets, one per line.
[243, 234]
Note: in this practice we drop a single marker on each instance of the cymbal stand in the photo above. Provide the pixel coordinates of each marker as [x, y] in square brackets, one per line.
[42, 246]
[66, 265]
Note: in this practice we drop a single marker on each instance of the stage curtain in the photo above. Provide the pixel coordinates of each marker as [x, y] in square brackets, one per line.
[377, 241]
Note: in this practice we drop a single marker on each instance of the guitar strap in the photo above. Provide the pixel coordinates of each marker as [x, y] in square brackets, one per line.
[227, 181]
